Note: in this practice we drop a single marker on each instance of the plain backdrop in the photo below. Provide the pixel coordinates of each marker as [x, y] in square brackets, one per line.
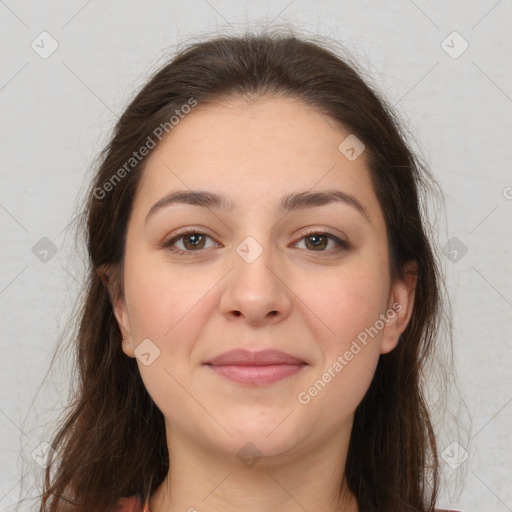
[69, 68]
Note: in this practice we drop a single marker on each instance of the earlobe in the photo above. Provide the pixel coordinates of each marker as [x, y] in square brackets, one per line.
[123, 321]
[107, 276]
[400, 307]
[127, 345]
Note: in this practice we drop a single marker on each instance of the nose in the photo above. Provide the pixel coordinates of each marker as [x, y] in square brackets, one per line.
[255, 292]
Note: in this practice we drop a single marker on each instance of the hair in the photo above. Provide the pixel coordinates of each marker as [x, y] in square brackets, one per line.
[112, 442]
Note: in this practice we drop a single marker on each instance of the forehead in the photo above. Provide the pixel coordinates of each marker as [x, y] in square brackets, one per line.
[253, 152]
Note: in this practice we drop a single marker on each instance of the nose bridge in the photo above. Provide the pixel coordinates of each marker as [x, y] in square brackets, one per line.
[254, 289]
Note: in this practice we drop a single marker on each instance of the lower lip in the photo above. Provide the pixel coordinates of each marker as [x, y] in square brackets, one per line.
[257, 375]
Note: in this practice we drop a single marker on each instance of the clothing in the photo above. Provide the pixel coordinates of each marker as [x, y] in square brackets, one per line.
[133, 504]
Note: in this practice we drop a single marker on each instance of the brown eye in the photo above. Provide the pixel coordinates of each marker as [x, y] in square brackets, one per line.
[194, 241]
[322, 242]
[316, 242]
[191, 241]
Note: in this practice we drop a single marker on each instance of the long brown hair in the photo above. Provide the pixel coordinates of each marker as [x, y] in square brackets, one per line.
[112, 441]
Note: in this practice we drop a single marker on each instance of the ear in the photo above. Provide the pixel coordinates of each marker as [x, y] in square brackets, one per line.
[401, 305]
[110, 278]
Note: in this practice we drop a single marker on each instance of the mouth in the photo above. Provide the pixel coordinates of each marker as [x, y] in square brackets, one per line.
[256, 368]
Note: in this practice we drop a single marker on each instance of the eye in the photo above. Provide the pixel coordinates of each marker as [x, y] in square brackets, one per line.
[191, 241]
[319, 241]
[195, 241]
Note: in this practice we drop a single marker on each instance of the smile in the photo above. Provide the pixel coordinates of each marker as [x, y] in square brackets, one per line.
[256, 368]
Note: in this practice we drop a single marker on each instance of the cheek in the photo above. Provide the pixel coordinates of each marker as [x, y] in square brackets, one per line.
[162, 301]
[333, 396]
[169, 307]
[346, 302]
[349, 305]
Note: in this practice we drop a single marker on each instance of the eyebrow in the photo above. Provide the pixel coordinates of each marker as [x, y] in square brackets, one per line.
[290, 202]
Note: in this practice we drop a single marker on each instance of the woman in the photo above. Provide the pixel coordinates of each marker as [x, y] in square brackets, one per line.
[262, 296]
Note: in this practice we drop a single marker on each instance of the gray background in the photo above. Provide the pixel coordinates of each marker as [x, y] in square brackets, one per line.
[57, 112]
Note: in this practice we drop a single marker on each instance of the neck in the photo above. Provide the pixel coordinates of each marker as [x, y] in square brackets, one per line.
[199, 480]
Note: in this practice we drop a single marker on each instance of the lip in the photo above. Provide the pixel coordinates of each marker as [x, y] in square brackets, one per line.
[256, 368]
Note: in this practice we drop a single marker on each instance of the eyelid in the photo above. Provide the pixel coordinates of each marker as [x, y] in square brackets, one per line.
[168, 242]
[341, 241]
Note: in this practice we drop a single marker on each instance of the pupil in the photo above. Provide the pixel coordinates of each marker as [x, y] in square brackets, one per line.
[317, 241]
[194, 240]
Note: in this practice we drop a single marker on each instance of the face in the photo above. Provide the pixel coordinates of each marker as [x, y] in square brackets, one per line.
[276, 242]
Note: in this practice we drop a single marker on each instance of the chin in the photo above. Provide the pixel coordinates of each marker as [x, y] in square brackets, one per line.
[274, 441]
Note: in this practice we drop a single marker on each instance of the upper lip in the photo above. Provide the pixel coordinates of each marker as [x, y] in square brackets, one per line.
[242, 357]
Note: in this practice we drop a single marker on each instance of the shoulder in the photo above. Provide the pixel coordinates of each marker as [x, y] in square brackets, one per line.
[131, 504]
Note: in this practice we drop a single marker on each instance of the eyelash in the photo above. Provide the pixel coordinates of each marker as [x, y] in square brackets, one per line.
[168, 244]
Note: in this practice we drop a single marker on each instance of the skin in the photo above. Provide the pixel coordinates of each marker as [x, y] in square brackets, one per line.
[295, 297]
